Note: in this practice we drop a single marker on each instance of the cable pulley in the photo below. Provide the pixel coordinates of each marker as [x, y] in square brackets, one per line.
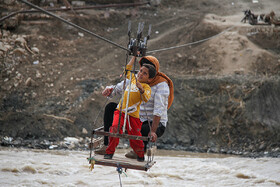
[138, 43]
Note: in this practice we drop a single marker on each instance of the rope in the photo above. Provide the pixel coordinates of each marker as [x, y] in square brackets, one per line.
[124, 87]
[127, 100]
[149, 159]
[99, 114]
[91, 140]
[192, 43]
[127, 54]
[92, 162]
[74, 25]
[120, 171]
[120, 180]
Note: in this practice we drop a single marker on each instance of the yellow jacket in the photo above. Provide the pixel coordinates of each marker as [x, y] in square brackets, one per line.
[135, 98]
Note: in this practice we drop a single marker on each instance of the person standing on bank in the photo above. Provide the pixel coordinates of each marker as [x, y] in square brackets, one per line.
[154, 112]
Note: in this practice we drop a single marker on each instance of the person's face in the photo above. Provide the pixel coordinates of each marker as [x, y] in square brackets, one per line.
[143, 75]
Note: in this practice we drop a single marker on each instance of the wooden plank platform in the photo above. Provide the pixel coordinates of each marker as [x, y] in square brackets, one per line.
[126, 136]
[124, 163]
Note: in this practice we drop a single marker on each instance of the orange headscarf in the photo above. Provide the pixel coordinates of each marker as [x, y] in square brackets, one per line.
[160, 77]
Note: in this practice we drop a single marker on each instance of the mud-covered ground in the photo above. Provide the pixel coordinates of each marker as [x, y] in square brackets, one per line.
[226, 88]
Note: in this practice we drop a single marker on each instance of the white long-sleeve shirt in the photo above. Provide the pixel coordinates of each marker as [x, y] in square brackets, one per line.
[157, 104]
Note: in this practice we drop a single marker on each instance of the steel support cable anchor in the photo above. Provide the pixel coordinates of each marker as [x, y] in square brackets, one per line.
[74, 25]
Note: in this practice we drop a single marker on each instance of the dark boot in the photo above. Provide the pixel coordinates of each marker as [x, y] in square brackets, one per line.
[140, 159]
[108, 156]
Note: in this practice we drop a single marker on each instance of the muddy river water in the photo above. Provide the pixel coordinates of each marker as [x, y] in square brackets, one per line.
[25, 167]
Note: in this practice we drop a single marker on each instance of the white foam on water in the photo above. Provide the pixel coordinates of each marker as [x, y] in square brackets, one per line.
[21, 167]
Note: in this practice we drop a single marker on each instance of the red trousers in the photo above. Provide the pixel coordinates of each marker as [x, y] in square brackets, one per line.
[134, 129]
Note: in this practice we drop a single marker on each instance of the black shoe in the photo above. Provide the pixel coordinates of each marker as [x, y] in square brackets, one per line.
[108, 156]
[140, 159]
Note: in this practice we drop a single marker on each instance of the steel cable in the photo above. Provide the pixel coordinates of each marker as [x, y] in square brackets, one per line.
[74, 25]
[113, 43]
[188, 44]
